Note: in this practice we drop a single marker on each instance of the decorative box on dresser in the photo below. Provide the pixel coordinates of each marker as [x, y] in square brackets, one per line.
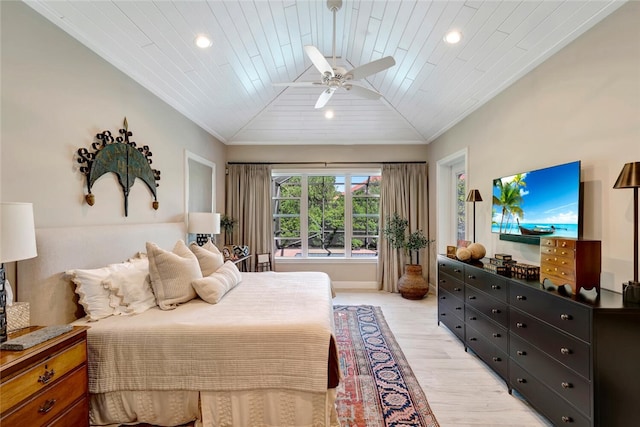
[46, 385]
[576, 360]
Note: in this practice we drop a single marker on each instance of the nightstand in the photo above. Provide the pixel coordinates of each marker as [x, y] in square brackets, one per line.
[47, 384]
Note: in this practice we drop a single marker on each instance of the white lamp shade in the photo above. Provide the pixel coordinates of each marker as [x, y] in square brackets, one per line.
[204, 223]
[17, 232]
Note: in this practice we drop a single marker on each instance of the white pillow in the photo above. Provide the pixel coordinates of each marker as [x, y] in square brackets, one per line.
[171, 274]
[213, 287]
[209, 257]
[98, 302]
[133, 287]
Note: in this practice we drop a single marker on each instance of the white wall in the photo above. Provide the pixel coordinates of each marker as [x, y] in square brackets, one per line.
[581, 104]
[56, 95]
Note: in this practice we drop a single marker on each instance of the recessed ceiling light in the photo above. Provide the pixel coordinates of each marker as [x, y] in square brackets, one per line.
[203, 41]
[453, 37]
[328, 114]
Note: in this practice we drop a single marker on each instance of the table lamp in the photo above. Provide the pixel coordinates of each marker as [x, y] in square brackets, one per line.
[17, 242]
[630, 178]
[474, 196]
[204, 225]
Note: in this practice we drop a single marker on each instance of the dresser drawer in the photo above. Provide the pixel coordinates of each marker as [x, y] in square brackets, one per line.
[569, 351]
[76, 416]
[51, 402]
[491, 331]
[489, 283]
[546, 401]
[487, 305]
[447, 303]
[41, 375]
[565, 314]
[489, 353]
[452, 285]
[569, 385]
[451, 267]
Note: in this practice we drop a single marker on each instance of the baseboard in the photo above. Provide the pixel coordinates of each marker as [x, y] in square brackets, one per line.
[370, 286]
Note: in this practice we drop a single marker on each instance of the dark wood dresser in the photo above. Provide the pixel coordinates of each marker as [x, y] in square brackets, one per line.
[46, 385]
[576, 360]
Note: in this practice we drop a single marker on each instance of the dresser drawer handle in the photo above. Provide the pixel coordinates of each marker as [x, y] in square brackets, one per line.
[520, 325]
[443, 297]
[472, 297]
[565, 317]
[47, 376]
[566, 419]
[566, 385]
[457, 289]
[521, 353]
[472, 318]
[443, 314]
[471, 276]
[565, 350]
[495, 311]
[521, 380]
[443, 281]
[496, 335]
[495, 287]
[458, 308]
[458, 327]
[47, 406]
[457, 270]
[496, 359]
[520, 297]
[473, 339]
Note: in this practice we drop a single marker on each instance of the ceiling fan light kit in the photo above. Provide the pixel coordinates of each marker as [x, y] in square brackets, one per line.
[334, 77]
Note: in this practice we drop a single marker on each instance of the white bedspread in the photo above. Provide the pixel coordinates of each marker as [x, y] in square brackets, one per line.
[270, 332]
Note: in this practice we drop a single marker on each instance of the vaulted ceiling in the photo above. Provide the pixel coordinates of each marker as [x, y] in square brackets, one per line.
[228, 88]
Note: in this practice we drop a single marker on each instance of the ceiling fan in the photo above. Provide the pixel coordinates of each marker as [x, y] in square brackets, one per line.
[334, 77]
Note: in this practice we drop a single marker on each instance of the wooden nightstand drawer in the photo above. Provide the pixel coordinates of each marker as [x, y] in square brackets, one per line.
[47, 405]
[76, 416]
[41, 375]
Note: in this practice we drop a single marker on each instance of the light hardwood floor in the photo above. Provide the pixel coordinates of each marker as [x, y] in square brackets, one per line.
[460, 389]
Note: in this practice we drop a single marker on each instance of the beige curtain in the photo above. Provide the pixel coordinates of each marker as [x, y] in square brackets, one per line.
[248, 198]
[403, 190]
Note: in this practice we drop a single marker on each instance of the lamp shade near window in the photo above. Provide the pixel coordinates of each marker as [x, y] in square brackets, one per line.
[630, 178]
[203, 224]
[17, 242]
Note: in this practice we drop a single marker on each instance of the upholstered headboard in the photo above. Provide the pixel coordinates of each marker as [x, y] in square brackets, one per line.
[41, 282]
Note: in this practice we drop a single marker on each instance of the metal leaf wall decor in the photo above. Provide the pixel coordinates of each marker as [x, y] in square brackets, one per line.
[121, 156]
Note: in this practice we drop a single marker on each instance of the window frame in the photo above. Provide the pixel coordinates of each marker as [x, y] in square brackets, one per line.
[304, 174]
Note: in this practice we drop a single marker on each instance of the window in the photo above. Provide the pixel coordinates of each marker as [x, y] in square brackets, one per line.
[326, 214]
[461, 212]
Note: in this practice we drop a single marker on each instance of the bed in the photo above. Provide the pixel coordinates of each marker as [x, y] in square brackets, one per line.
[263, 355]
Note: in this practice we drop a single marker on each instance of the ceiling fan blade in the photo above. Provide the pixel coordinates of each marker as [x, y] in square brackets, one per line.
[362, 91]
[325, 97]
[298, 84]
[371, 68]
[318, 60]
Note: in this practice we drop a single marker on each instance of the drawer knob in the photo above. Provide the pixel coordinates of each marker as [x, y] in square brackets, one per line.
[443, 314]
[443, 297]
[565, 316]
[457, 270]
[47, 406]
[457, 289]
[47, 376]
[496, 335]
[520, 297]
[566, 385]
[471, 276]
[472, 297]
[495, 311]
[521, 380]
[566, 419]
[472, 318]
[565, 350]
[520, 325]
[458, 308]
[443, 281]
[458, 327]
[495, 287]
[521, 353]
[496, 359]
[473, 339]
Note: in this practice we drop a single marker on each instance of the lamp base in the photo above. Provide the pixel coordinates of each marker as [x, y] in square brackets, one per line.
[631, 292]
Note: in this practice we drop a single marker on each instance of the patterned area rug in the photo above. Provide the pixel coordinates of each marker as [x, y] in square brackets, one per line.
[378, 386]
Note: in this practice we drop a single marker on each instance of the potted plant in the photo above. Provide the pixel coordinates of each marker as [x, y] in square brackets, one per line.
[227, 223]
[412, 284]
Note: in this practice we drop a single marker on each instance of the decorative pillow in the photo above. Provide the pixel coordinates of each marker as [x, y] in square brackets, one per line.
[171, 274]
[98, 302]
[209, 257]
[213, 287]
[133, 287]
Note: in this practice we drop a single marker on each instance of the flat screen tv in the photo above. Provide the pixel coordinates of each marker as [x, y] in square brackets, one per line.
[538, 203]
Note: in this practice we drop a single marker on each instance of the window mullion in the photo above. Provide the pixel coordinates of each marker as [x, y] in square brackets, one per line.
[304, 215]
[348, 216]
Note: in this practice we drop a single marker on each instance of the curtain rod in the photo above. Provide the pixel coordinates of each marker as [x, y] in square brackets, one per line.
[321, 163]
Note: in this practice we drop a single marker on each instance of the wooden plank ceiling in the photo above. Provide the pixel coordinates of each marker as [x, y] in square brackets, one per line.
[227, 89]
